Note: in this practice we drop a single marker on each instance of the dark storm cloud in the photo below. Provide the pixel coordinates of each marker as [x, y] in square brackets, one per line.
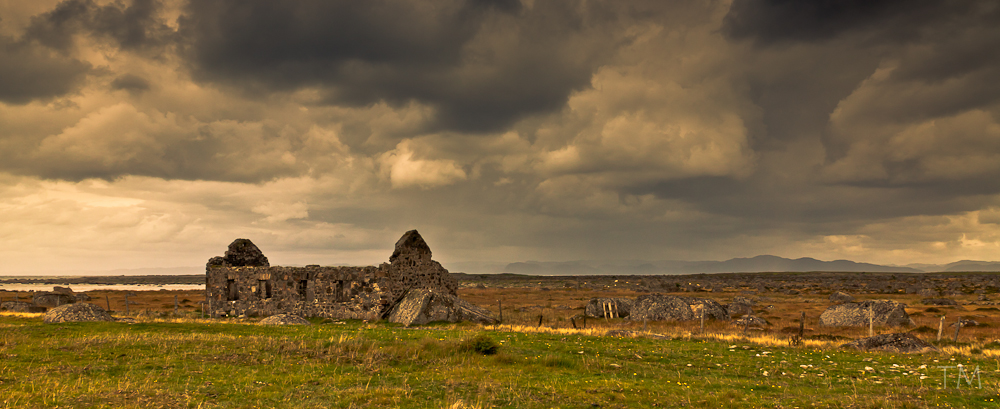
[29, 72]
[132, 27]
[482, 64]
[130, 82]
[771, 21]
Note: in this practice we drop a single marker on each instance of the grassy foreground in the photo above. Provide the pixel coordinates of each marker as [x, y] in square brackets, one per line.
[196, 363]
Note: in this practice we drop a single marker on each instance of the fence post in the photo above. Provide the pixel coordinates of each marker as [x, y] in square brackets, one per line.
[500, 307]
[107, 300]
[175, 305]
[539, 320]
[871, 322]
[940, 328]
[802, 324]
[702, 319]
[126, 304]
[958, 326]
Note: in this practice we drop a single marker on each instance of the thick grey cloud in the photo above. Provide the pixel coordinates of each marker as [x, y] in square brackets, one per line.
[29, 72]
[781, 21]
[482, 65]
[134, 26]
[505, 130]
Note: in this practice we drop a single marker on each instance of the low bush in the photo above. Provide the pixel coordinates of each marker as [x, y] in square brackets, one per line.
[481, 344]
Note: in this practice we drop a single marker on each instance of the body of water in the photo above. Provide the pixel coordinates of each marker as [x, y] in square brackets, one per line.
[113, 287]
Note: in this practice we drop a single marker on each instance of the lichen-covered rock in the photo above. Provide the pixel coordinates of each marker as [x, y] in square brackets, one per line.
[841, 297]
[79, 312]
[965, 323]
[20, 306]
[608, 307]
[421, 306]
[736, 309]
[750, 322]
[713, 310]
[902, 343]
[855, 314]
[243, 252]
[660, 307]
[52, 299]
[284, 319]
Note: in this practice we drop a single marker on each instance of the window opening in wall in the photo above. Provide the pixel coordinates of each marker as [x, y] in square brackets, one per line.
[264, 289]
[303, 288]
[342, 291]
[231, 293]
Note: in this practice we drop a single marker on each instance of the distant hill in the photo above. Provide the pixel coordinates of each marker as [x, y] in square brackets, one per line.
[970, 265]
[757, 264]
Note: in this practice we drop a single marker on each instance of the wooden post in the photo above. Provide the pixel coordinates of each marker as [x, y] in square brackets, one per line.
[958, 326]
[585, 320]
[702, 319]
[573, 321]
[802, 324]
[108, 301]
[539, 320]
[871, 322]
[126, 304]
[500, 307]
[175, 305]
[203, 306]
[940, 328]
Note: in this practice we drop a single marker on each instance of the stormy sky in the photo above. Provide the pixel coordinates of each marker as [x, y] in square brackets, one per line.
[151, 133]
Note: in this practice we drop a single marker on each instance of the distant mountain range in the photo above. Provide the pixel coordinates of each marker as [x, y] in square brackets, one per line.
[764, 263]
[628, 267]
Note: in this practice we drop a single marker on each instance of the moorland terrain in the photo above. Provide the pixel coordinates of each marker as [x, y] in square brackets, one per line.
[168, 359]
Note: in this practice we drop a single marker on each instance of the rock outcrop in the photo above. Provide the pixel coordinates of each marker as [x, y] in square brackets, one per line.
[855, 314]
[608, 307]
[901, 343]
[420, 306]
[841, 297]
[661, 307]
[80, 312]
[284, 319]
[750, 322]
[20, 306]
[52, 299]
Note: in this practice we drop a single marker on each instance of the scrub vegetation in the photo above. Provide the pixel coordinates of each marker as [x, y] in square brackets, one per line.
[189, 362]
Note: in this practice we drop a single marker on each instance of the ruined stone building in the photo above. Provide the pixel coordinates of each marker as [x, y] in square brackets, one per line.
[243, 283]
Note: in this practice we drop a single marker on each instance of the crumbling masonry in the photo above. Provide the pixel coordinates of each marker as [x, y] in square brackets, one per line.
[244, 283]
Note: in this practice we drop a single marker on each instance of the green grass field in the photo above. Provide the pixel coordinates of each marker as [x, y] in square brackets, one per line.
[194, 363]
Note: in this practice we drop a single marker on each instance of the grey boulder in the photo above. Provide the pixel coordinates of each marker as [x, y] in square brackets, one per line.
[841, 297]
[284, 319]
[421, 306]
[902, 343]
[856, 314]
[609, 307]
[79, 312]
[662, 307]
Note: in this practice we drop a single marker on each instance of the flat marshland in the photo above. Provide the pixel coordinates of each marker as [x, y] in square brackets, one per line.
[163, 360]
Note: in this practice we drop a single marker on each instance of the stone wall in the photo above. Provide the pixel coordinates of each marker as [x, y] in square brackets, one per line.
[239, 288]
